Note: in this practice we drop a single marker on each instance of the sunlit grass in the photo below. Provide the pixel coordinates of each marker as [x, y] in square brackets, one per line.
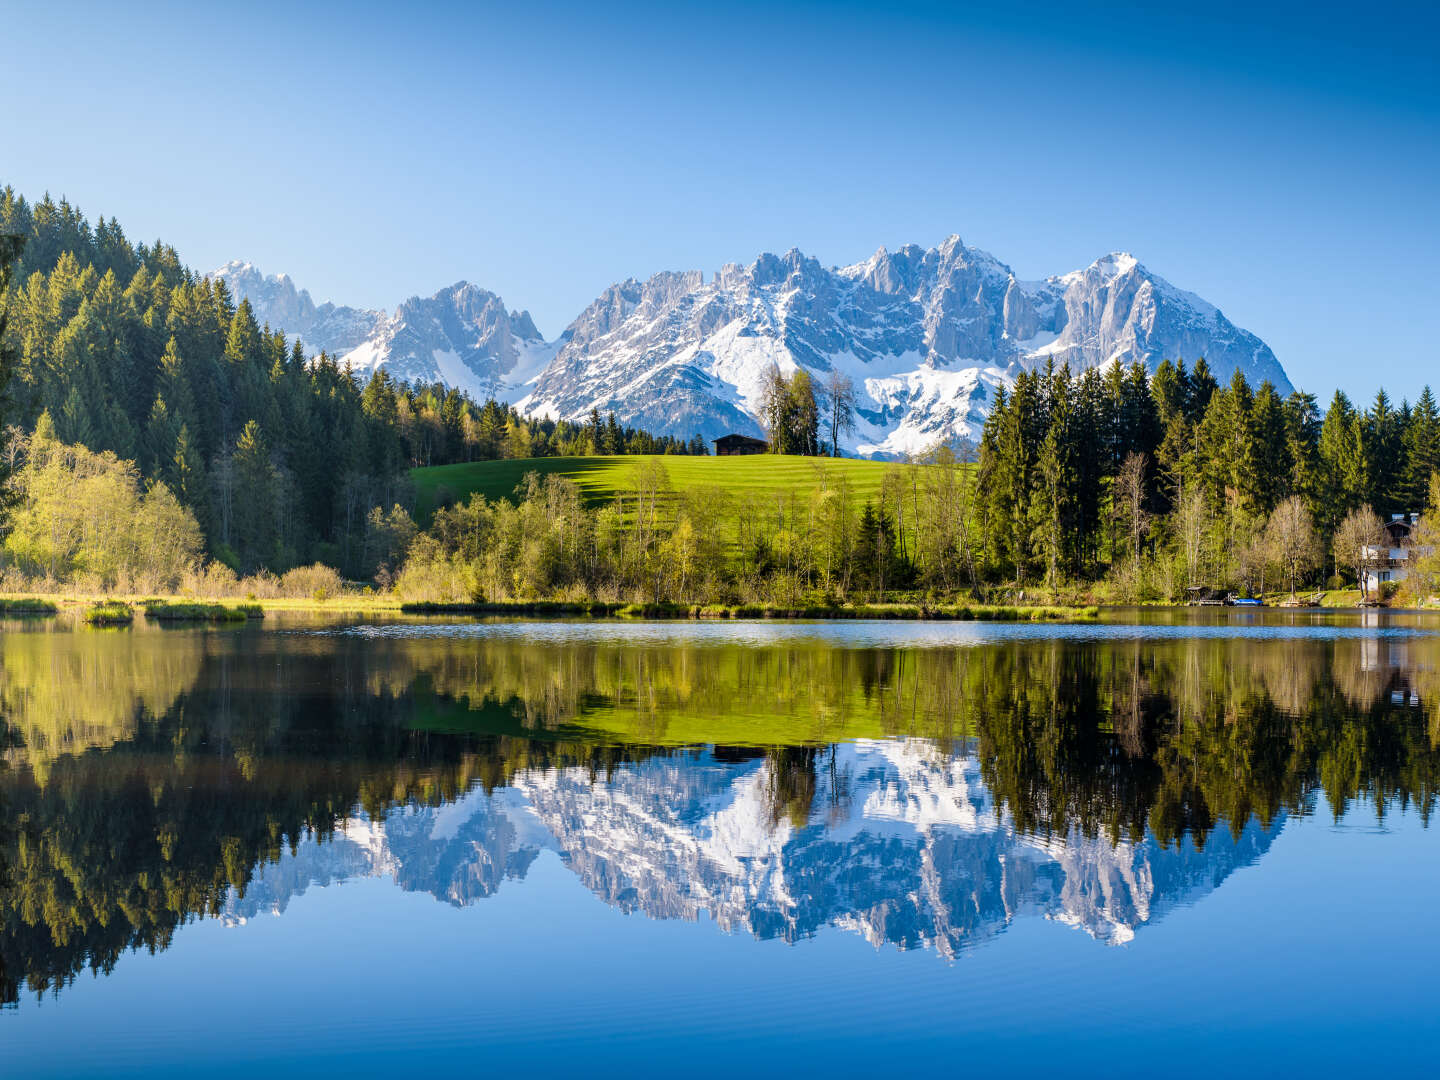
[751, 482]
[170, 611]
[110, 613]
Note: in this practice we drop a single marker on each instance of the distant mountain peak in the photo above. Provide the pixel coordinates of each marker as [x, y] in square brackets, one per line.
[462, 335]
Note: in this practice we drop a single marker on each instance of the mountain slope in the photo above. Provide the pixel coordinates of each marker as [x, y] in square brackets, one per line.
[926, 335]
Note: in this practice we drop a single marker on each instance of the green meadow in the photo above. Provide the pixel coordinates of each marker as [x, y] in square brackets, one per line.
[753, 481]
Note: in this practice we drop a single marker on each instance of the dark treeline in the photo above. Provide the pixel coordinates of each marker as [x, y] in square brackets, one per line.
[1172, 480]
[280, 459]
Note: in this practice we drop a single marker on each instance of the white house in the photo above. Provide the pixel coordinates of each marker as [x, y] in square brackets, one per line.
[1389, 557]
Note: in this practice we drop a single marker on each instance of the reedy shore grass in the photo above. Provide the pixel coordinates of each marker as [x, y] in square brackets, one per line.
[197, 611]
[110, 613]
[26, 605]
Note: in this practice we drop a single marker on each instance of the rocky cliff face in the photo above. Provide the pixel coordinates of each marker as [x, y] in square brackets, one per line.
[898, 843]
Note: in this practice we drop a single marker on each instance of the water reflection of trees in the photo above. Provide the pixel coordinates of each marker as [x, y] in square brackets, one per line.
[167, 769]
[1170, 736]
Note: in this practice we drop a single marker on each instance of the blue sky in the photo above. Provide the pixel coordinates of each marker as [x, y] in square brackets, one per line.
[1279, 159]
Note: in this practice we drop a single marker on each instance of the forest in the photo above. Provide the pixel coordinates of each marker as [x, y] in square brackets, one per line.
[1164, 482]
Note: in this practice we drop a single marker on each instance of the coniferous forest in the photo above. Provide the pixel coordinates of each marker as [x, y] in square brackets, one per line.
[1170, 481]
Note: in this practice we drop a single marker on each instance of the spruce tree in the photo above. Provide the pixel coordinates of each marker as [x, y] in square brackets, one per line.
[1422, 451]
[161, 430]
[254, 498]
[1202, 388]
[1341, 485]
[1265, 476]
[1302, 436]
[1383, 449]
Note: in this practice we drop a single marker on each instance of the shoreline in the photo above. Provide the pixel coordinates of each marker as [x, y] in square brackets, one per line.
[348, 605]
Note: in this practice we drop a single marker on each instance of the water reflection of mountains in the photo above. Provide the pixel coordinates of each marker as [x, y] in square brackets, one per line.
[923, 797]
[902, 845]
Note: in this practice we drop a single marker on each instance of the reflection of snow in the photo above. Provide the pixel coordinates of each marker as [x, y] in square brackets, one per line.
[903, 845]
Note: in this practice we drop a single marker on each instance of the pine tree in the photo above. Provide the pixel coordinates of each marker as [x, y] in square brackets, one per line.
[1342, 481]
[73, 423]
[185, 474]
[1302, 437]
[255, 533]
[1383, 450]
[1421, 450]
[1265, 477]
[1202, 388]
[161, 431]
[1053, 501]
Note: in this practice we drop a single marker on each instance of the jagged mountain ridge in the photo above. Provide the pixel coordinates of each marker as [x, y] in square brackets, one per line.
[462, 336]
[927, 335]
[900, 845]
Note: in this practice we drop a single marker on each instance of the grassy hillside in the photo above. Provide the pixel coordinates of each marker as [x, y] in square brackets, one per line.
[750, 481]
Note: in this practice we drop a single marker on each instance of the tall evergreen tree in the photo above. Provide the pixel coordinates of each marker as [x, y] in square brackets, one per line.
[1383, 443]
[1343, 482]
[1266, 474]
[254, 530]
[1421, 450]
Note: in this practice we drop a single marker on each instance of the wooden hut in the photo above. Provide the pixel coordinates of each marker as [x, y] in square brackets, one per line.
[729, 445]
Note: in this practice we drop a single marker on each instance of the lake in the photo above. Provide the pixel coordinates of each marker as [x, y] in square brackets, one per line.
[1168, 842]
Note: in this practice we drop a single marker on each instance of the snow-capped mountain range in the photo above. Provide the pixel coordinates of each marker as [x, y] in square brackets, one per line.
[902, 844]
[926, 335]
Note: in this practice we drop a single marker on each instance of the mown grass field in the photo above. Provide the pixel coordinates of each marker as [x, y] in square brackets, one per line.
[752, 482]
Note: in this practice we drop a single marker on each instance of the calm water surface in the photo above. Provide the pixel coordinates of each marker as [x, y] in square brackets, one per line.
[1165, 843]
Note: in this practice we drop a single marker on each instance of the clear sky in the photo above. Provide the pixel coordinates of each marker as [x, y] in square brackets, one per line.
[1279, 159]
